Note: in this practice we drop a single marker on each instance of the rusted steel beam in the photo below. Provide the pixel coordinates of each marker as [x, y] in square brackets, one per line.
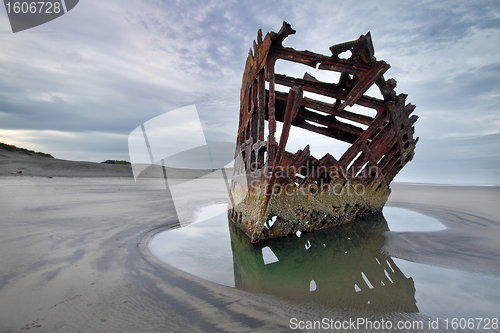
[328, 108]
[326, 89]
[335, 129]
[292, 107]
[296, 191]
[363, 85]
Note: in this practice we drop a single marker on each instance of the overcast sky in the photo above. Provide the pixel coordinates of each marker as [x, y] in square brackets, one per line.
[77, 86]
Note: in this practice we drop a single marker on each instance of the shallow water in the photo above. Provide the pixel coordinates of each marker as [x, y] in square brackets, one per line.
[341, 267]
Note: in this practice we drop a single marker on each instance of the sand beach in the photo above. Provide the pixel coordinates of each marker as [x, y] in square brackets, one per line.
[75, 257]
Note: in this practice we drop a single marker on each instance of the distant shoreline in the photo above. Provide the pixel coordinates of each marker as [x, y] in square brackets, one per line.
[21, 162]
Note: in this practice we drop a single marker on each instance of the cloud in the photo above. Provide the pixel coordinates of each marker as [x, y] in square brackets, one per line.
[108, 66]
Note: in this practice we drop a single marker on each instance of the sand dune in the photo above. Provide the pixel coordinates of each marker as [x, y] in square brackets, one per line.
[28, 164]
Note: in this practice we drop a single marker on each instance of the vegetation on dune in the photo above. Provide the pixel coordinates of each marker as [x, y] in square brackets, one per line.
[116, 162]
[23, 150]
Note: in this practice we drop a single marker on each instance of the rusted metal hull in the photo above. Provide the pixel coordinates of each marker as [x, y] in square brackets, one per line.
[274, 192]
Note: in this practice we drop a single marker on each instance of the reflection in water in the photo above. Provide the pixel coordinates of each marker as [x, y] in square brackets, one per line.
[340, 267]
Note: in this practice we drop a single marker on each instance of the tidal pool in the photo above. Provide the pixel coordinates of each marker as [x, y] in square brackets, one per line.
[342, 267]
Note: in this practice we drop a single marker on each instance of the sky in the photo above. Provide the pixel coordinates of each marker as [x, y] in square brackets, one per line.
[77, 86]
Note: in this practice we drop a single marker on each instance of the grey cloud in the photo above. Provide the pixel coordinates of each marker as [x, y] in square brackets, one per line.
[111, 65]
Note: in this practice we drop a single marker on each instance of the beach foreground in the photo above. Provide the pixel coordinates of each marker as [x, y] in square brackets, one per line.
[75, 254]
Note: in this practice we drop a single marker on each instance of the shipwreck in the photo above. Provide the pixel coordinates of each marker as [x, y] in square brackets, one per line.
[275, 192]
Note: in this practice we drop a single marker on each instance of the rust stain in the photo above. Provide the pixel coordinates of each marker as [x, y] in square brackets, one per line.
[275, 192]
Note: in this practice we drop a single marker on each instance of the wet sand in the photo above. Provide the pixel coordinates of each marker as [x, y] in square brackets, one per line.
[75, 254]
[472, 217]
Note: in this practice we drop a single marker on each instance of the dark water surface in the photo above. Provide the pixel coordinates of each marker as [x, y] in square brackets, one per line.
[342, 267]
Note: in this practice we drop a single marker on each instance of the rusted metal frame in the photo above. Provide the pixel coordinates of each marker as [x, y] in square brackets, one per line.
[295, 163]
[285, 31]
[381, 142]
[394, 168]
[293, 105]
[399, 117]
[389, 160]
[326, 162]
[255, 61]
[241, 123]
[270, 109]
[360, 46]
[338, 130]
[408, 154]
[352, 151]
[244, 123]
[344, 66]
[329, 121]
[349, 155]
[357, 163]
[364, 84]
[304, 169]
[411, 150]
[387, 88]
[302, 57]
[315, 177]
[287, 158]
[312, 59]
[258, 149]
[336, 170]
[322, 88]
[372, 162]
[390, 154]
[328, 108]
[384, 134]
[391, 174]
[305, 114]
[383, 120]
[247, 148]
[261, 103]
[300, 157]
[261, 107]
[240, 120]
[371, 102]
[412, 120]
[359, 118]
[365, 157]
[270, 77]
[332, 133]
[254, 124]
